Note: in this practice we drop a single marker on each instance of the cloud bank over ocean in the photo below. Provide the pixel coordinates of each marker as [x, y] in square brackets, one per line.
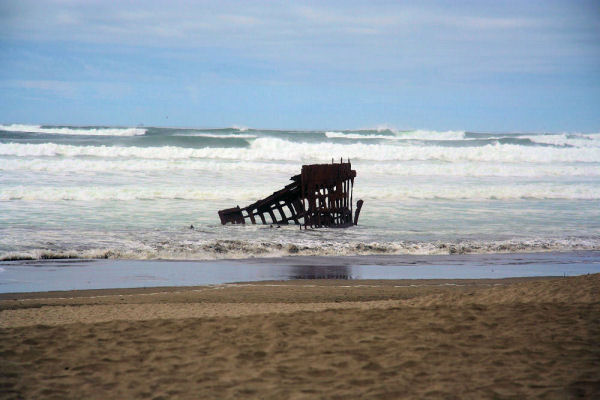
[502, 66]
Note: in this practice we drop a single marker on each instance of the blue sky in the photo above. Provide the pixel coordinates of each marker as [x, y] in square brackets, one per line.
[473, 65]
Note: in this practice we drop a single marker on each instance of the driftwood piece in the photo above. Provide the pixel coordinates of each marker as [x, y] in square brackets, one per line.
[320, 196]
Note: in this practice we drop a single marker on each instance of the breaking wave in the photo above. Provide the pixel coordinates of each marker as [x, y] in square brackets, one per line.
[399, 135]
[570, 139]
[343, 135]
[237, 249]
[97, 193]
[74, 130]
[468, 169]
[272, 149]
[422, 192]
[218, 135]
[431, 135]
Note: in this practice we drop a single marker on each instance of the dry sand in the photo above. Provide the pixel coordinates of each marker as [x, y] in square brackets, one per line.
[518, 338]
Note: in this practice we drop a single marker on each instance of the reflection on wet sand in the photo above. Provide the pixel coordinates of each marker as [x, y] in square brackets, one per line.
[51, 275]
[321, 272]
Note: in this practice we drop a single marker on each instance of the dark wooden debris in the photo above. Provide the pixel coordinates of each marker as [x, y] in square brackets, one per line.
[320, 196]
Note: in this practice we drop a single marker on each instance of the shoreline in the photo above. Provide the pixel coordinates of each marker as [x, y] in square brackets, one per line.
[375, 258]
[69, 274]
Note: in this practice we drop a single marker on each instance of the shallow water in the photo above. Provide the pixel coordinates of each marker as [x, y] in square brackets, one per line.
[51, 275]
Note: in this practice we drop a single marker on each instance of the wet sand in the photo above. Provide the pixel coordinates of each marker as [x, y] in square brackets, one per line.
[509, 338]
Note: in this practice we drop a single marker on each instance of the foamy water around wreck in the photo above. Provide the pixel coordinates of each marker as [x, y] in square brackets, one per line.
[133, 192]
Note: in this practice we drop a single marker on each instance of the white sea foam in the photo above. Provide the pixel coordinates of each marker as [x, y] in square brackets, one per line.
[367, 169]
[480, 192]
[401, 135]
[422, 192]
[220, 249]
[74, 130]
[272, 149]
[218, 135]
[76, 164]
[127, 193]
[477, 169]
[576, 140]
[344, 135]
[431, 135]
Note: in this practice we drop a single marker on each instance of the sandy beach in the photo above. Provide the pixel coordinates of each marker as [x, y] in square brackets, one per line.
[510, 338]
[299, 200]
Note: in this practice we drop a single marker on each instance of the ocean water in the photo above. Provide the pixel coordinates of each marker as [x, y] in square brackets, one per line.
[134, 192]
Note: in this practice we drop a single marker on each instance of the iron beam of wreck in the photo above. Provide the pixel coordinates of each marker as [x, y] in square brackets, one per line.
[320, 196]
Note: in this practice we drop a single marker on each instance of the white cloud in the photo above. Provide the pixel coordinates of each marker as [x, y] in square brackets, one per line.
[153, 22]
[351, 35]
[71, 89]
[62, 88]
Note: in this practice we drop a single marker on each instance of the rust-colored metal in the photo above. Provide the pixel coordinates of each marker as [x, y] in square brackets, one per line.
[320, 196]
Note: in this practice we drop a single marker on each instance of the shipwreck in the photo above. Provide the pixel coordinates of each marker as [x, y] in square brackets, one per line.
[320, 196]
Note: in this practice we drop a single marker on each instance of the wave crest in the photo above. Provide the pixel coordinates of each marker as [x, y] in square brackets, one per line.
[398, 135]
[221, 249]
[273, 149]
[421, 192]
[84, 131]
[218, 135]
[458, 169]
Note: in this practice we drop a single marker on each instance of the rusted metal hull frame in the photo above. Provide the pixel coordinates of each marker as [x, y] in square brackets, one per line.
[321, 196]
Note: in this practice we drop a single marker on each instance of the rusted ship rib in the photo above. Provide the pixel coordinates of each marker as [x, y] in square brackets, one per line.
[320, 196]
